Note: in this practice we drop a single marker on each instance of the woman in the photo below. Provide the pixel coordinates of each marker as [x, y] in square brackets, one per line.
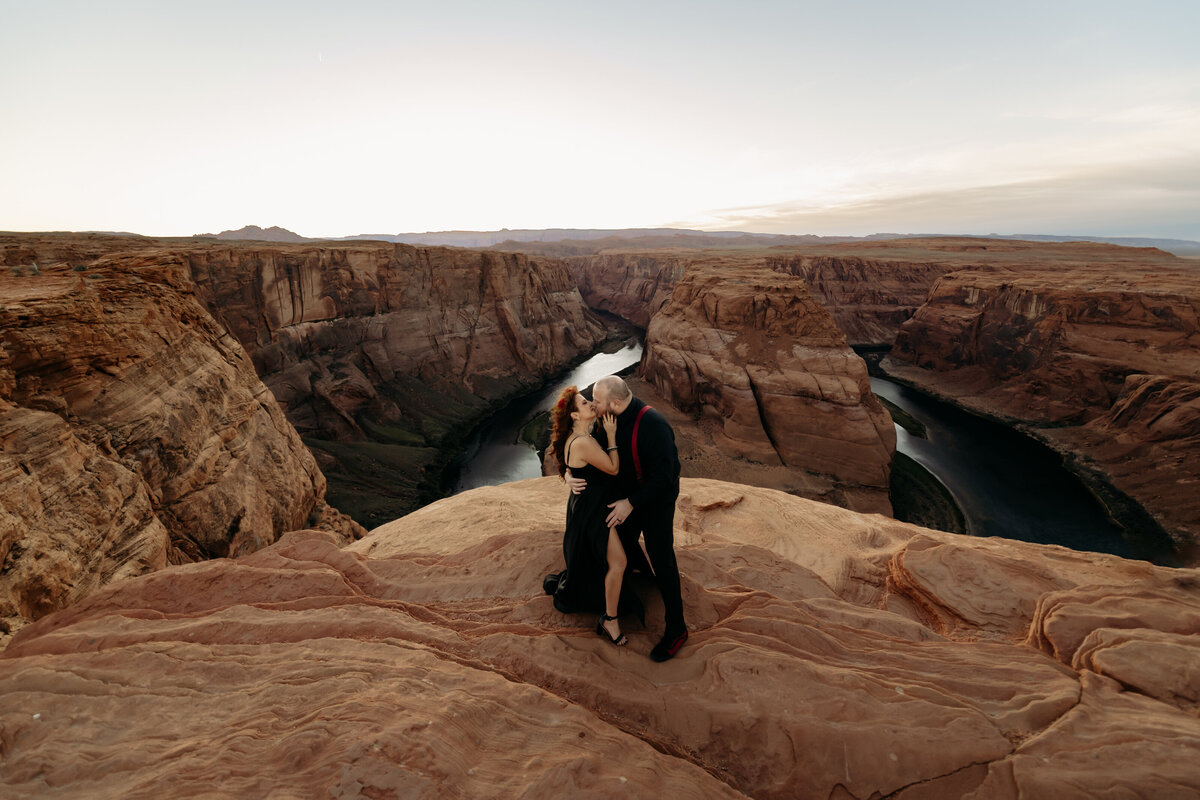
[593, 551]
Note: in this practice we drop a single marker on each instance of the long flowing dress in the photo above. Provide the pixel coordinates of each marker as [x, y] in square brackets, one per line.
[585, 545]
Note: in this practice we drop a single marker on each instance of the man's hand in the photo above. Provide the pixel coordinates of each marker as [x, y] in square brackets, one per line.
[576, 485]
[620, 512]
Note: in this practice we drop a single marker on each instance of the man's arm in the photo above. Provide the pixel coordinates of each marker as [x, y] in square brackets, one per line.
[576, 485]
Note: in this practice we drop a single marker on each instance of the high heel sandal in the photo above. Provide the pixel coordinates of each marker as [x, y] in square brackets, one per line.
[619, 641]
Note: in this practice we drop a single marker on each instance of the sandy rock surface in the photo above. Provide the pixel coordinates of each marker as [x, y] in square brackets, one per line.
[832, 655]
[754, 353]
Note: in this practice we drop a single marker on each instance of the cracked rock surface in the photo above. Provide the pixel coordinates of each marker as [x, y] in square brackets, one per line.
[832, 655]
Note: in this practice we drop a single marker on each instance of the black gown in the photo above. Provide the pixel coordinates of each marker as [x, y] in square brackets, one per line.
[585, 546]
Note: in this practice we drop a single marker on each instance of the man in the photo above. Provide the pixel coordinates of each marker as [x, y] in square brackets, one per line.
[648, 483]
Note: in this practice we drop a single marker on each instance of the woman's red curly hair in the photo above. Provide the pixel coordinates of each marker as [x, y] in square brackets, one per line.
[560, 415]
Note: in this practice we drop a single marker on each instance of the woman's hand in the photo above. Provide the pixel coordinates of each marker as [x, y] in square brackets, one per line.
[610, 427]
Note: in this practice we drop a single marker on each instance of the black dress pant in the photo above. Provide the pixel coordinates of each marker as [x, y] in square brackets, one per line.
[655, 522]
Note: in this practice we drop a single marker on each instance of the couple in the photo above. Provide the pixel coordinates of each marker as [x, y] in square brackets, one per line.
[624, 483]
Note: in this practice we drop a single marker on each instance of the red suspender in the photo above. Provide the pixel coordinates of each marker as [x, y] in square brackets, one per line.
[637, 462]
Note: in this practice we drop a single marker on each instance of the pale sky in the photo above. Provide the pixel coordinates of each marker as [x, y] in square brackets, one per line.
[336, 118]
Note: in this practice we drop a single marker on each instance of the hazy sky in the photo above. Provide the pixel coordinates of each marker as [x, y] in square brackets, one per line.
[335, 118]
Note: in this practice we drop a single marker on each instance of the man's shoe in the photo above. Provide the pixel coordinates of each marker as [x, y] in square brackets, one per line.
[668, 646]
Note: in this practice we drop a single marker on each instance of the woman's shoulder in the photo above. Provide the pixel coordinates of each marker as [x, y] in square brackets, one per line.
[580, 443]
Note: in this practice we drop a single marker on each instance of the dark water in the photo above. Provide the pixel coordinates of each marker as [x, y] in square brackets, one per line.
[1008, 484]
[493, 455]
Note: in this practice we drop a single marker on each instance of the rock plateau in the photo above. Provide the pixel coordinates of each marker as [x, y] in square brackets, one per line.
[832, 655]
[184, 643]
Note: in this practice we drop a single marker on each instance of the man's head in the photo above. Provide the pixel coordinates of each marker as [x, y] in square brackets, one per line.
[611, 394]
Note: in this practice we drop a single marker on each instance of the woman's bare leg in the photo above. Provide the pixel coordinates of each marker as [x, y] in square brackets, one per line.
[612, 581]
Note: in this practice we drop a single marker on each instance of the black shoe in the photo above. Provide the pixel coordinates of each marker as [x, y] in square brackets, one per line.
[668, 646]
[621, 639]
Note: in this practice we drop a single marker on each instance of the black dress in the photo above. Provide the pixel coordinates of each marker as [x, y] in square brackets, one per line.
[585, 547]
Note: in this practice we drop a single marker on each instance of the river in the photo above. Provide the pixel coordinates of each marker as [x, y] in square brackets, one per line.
[1008, 484]
[493, 455]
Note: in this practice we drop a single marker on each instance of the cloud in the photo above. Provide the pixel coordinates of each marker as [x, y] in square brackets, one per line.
[1160, 197]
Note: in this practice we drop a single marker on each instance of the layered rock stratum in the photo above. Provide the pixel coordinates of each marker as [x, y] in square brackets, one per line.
[383, 356]
[869, 288]
[772, 382]
[633, 286]
[381, 353]
[1092, 348]
[832, 655]
[136, 430]
[870, 296]
[133, 429]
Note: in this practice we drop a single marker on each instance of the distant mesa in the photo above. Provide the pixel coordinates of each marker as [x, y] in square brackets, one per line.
[257, 234]
[561, 242]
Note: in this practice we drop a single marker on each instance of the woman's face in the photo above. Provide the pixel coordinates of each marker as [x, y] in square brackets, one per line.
[585, 411]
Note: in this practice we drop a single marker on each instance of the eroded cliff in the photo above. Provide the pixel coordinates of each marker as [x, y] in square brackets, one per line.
[632, 286]
[869, 298]
[832, 655]
[1094, 349]
[133, 429]
[754, 355]
[869, 288]
[382, 353]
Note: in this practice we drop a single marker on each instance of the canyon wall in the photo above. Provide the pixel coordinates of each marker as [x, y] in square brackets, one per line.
[1095, 350]
[870, 289]
[754, 355]
[831, 655]
[133, 429]
[869, 298]
[632, 286]
[1091, 347]
[380, 353]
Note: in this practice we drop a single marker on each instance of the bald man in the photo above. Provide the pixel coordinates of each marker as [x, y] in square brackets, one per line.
[648, 485]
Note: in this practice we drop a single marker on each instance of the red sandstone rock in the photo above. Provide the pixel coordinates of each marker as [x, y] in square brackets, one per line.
[338, 332]
[869, 298]
[1094, 348]
[424, 661]
[392, 347]
[752, 351]
[72, 517]
[633, 286]
[869, 288]
[133, 430]
[384, 355]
